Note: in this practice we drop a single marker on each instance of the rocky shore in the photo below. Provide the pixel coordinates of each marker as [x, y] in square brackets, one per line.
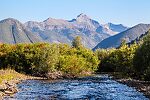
[141, 86]
[9, 80]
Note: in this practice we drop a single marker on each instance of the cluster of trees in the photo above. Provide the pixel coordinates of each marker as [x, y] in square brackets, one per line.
[129, 60]
[43, 59]
[118, 60]
[39, 59]
[141, 60]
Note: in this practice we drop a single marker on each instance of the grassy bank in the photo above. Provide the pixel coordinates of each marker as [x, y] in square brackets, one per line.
[8, 75]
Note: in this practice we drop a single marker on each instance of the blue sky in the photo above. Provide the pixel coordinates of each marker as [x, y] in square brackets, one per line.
[127, 12]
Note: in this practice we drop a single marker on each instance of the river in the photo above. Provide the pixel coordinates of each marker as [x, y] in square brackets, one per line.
[98, 87]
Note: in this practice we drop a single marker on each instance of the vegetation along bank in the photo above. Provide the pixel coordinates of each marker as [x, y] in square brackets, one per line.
[52, 61]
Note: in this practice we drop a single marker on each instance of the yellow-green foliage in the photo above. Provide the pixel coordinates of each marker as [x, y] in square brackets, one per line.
[42, 58]
[129, 60]
[71, 64]
[142, 59]
[76, 43]
[118, 60]
[76, 61]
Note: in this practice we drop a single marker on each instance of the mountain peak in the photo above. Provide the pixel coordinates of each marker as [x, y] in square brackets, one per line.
[116, 27]
[82, 17]
[10, 20]
[112, 24]
[48, 19]
[53, 20]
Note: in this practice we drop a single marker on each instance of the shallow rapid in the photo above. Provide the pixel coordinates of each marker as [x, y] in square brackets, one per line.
[98, 87]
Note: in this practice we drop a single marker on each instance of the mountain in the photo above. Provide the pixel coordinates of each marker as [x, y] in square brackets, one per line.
[141, 38]
[57, 31]
[12, 31]
[63, 31]
[115, 28]
[129, 35]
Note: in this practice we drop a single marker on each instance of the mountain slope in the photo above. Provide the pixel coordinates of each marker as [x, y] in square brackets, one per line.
[141, 38]
[56, 31]
[128, 35]
[59, 30]
[12, 31]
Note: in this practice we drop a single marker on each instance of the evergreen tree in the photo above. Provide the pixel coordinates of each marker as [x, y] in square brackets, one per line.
[76, 43]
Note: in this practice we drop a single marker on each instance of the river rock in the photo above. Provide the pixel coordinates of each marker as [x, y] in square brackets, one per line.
[8, 88]
[3, 87]
[54, 75]
[1, 95]
[7, 92]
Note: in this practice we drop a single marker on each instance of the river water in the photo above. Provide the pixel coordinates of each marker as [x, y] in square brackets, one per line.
[99, 87]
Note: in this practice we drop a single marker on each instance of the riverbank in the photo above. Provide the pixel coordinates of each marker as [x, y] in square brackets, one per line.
[141, 86]
[97, 87]
[9, 80]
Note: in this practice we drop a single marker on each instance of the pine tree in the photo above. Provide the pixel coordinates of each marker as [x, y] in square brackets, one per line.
[76, 43]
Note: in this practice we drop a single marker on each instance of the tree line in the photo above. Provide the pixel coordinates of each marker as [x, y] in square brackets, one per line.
[129, 60]
[46, 60]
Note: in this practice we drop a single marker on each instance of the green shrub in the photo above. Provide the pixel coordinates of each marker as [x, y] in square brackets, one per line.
[118, 60]
[73, 65]
[142, 59]
[42, 58]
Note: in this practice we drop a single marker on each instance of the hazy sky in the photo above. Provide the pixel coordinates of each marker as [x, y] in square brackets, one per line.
[128, 12]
